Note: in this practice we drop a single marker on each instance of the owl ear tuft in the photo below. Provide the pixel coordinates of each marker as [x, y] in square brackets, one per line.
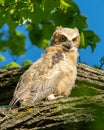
[59, 27]
[76, 30]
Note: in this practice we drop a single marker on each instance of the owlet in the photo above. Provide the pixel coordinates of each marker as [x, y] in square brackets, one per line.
[54, 74]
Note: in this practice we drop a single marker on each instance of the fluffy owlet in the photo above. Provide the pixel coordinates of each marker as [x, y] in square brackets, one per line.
[54, 74]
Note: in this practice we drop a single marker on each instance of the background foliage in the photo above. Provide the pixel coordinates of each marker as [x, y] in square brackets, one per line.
[41, 18]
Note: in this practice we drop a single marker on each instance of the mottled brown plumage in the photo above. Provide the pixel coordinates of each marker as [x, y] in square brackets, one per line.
[54, 73]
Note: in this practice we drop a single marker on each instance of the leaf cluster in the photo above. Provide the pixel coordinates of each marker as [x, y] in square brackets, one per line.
[41, 18]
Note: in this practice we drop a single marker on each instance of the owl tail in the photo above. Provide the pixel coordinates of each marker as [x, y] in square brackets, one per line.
[12, 103]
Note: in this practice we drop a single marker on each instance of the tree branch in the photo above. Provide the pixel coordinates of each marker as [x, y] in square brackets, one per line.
[84, 109]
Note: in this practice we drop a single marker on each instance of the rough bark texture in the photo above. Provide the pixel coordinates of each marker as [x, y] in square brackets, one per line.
[84, 109]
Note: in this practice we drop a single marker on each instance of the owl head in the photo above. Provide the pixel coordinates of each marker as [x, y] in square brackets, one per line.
[67, 38]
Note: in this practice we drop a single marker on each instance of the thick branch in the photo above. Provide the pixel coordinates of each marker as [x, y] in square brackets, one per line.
[61, 113]
[9, 79]
[91, 75]
[82, 110]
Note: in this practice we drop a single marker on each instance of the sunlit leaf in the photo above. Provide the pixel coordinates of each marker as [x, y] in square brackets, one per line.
[2, 2]
[82, 41]
[41, 18]
[27, 62]
[11, 65]
[44, 43]
[2, 58]
[65, 4]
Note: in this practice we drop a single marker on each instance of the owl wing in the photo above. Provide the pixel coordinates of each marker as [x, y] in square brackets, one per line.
[39, 80]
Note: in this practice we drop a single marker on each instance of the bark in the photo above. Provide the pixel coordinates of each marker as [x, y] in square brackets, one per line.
[84, 109]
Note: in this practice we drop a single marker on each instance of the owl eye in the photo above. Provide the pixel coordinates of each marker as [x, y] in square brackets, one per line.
[62, 39]
[74, 39]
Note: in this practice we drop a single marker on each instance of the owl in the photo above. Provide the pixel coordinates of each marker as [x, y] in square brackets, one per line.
[54, 74]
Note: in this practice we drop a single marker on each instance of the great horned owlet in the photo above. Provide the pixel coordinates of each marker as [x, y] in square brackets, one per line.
[54, 74]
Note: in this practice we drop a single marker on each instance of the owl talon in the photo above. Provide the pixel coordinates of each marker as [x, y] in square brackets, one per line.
[52, 97]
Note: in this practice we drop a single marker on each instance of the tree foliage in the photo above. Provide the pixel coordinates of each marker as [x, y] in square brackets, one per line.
[41, 18]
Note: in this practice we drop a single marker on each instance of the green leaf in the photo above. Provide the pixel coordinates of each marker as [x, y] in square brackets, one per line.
[61, 18]
[11, 65]
[2, 2]
[2, 58]
[37, 15]
[79, 21]
[91, 36]
[82, 41]
[35, 34]
[48, 31]
[64, 4]
[27, 62]
[17, 43]
[3, 45]
[93, 46]
[48, 14]
[91, 39]
[69, 6]
[48, 6]
[44, 43]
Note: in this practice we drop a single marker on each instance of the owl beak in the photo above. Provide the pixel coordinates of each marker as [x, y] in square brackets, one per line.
[67, 45]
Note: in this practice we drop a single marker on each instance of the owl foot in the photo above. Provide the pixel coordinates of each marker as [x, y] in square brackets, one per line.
[52, 97]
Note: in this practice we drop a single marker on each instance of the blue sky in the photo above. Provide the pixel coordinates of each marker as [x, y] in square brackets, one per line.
[94, 11]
